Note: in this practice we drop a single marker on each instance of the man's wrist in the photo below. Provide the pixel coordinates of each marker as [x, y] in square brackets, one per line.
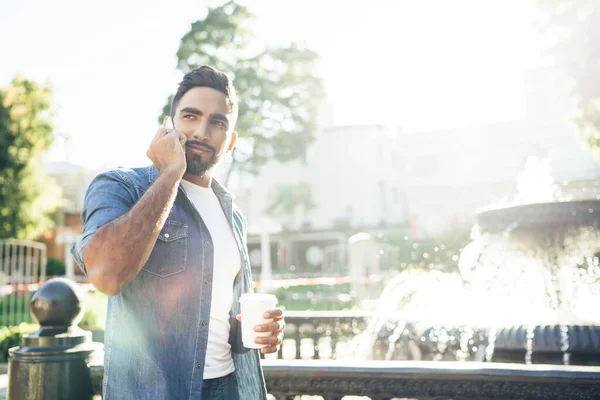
[172, 173]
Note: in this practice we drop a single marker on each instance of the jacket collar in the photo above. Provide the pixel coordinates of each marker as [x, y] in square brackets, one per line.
[219, 189]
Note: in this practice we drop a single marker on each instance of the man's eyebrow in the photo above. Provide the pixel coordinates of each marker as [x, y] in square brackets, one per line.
[191, 110]
[194, 110]
[220, 117]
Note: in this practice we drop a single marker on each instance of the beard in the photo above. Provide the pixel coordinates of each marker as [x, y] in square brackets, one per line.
[196, 165]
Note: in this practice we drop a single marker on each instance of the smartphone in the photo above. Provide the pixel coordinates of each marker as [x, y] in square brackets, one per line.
[168, 123]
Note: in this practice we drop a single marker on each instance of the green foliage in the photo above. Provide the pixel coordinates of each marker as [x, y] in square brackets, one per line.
[55, 267]
[316, 297]
[286, 198]
[439, 253]
[95, 316]
[279, 94]
[572, 26]
[14, 308]
[13, 336]
[27, 198]
[89, 320]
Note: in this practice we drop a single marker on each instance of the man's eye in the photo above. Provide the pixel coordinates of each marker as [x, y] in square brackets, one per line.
[189, 116]
[219, 123]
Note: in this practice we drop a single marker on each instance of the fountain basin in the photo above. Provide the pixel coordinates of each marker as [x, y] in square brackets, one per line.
[540, 216]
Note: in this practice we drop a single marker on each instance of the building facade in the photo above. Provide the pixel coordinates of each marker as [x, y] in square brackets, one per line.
[375, 179]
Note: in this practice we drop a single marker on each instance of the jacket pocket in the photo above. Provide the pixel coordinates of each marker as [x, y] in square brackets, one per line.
[169, 254]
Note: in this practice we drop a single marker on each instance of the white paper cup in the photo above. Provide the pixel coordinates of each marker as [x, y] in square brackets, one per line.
[253, 305]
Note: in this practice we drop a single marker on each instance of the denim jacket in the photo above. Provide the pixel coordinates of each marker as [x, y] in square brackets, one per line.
[157, 327]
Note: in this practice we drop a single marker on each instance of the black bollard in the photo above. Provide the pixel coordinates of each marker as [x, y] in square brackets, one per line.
[52, 362]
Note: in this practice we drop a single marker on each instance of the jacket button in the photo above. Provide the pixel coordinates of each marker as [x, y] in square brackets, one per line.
[198, 365]
[166, 235]
[203, 323]
[206, 281]
[206, 244]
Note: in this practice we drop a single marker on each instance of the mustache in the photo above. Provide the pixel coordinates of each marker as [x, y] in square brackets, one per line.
[192, 142]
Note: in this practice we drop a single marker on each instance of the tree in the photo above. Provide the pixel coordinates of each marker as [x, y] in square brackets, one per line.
[287, 198]
[27, 198]
[574, 28]
[279, 94]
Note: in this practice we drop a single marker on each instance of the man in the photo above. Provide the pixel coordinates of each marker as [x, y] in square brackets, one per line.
[168, 246]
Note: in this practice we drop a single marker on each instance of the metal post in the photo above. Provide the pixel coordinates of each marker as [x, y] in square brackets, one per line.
[67, 238]
[266, 274]
[52, 362]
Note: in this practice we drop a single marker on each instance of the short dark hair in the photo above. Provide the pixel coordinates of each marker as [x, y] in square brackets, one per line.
[207, 76]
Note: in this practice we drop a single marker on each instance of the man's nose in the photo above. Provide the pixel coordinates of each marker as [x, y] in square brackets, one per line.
[201, 131]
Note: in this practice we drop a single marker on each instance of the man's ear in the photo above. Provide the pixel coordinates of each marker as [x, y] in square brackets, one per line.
[232, 141]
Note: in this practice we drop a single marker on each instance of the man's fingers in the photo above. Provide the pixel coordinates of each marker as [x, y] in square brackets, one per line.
[161, 132]
[268, 340]
[271, 327]
[164, 132]
[269, 350]
[277, 312]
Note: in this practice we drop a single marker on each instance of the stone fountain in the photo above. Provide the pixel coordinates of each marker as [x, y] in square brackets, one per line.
[528, 290]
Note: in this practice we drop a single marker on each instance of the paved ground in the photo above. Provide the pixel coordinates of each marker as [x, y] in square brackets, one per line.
[3, 385]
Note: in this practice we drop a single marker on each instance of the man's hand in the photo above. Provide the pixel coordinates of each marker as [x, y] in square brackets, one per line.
[167, 150]
[276, 328]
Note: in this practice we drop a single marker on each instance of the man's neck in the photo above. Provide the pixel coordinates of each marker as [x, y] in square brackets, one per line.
[203, 180]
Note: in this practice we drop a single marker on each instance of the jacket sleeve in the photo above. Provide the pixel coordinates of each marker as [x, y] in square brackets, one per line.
[107, 198]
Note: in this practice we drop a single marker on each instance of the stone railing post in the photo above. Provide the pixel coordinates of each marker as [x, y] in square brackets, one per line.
[52, 362]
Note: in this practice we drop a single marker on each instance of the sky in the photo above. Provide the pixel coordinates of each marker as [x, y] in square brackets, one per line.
[420, 64]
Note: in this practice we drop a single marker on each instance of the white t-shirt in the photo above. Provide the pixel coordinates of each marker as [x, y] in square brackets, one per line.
[226, 266]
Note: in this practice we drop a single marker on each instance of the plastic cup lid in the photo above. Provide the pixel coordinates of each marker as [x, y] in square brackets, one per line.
[259, 297]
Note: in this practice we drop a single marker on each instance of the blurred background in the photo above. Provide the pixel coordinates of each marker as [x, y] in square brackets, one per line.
[371, 134]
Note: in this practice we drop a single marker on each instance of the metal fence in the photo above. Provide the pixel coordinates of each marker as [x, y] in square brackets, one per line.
[22, 268]
[389, 380]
